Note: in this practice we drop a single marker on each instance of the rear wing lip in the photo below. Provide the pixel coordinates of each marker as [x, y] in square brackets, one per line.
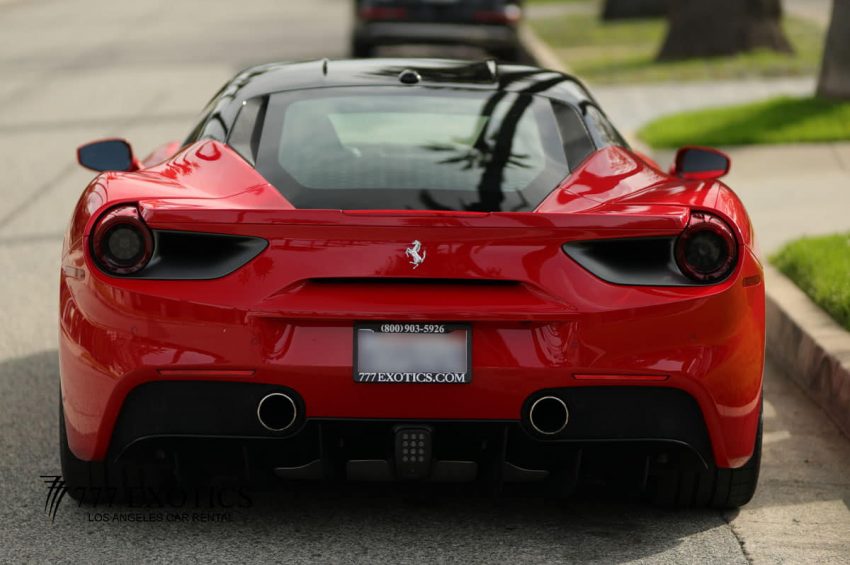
[186, 214]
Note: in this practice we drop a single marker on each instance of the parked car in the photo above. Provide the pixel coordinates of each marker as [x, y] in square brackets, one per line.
[489, 24]
[410, 270]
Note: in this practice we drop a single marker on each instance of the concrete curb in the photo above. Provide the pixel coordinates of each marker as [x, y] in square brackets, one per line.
[539, 51]
[811, 347]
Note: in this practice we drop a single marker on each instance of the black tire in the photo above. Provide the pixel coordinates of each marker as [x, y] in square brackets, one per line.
[713, 488]
[736, 487]
[85, 480]
[362, 50]
[509, 54]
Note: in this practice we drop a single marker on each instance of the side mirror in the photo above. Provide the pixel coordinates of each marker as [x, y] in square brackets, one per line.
[701, 163]
[107, 155]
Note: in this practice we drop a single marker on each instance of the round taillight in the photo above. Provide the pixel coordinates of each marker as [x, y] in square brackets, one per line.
[122, 243]
[707, 250]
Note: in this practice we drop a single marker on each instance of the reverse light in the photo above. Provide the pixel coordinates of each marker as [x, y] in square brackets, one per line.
[706, 251]
[121, 243]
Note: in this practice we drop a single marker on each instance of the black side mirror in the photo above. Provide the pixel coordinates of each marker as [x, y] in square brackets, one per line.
[701, 163]
[107, 155]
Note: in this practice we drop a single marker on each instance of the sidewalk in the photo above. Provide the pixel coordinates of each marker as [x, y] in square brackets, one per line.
[557, 9]
[631, 106]
[818, 11]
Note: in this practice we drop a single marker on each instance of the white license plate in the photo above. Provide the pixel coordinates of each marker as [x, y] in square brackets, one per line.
[407, 352]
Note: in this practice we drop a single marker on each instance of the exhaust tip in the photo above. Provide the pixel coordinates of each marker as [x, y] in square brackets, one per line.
[277, 412]
[548, 415]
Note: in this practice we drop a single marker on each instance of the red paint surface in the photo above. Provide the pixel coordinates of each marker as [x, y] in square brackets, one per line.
[287, 316]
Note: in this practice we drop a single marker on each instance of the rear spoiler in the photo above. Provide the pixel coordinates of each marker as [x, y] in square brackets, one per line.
[191, 214]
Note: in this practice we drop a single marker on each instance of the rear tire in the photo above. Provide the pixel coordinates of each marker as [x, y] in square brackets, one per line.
[85, 480]
[714, 488]
[361, 49]
[508, 54]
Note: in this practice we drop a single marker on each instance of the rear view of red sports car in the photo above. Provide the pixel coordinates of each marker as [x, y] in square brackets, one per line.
[411, 270]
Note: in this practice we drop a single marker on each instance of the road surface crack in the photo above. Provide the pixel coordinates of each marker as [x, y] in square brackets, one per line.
[728, 518]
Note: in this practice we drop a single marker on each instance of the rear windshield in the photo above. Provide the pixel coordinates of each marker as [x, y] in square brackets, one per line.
[415, 148]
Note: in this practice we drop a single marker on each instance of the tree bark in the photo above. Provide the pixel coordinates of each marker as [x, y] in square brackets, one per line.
[626, 9]
[835, 71]
[713, 28]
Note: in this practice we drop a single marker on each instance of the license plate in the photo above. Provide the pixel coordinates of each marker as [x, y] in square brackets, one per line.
[404, 352]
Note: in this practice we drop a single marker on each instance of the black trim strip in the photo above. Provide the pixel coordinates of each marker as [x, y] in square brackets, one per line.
[183, 255]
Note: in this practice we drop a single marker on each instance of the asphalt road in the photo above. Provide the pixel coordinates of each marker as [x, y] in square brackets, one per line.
[75, 71]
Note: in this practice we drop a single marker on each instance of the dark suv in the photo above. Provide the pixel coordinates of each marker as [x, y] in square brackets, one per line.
[489, 24]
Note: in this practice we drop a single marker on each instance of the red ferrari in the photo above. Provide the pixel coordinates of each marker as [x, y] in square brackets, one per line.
[410, 270]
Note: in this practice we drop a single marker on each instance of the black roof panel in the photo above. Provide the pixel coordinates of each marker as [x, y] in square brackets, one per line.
[267, 79]
[278, 77]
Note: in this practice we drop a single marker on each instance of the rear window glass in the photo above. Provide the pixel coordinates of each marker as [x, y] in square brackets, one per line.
[413, 148]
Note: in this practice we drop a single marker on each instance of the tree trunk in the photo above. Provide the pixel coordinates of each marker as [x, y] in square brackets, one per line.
[712, 28]
[835, 72]
[624, 9]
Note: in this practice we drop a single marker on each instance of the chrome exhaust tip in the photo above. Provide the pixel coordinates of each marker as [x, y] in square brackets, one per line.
[548, 415]
[277, 412]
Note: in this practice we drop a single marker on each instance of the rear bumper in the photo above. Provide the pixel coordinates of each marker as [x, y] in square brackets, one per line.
[228, 410]
[176, 423]
[397, 33]
[709, 346]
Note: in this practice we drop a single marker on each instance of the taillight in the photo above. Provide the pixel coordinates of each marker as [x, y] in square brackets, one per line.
[382, 13]
[510, 14]
[121, 242]
[707, 250]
